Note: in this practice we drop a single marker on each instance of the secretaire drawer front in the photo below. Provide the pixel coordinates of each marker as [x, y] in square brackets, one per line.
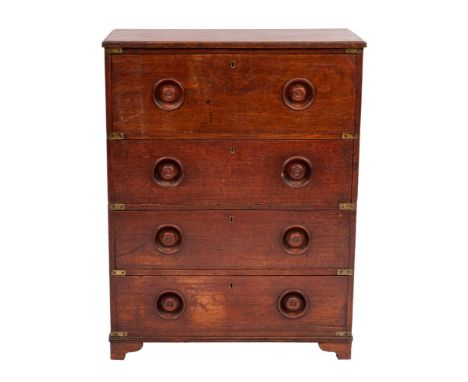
[190, 95]
[305, 174]
[231, 239]
[230, 306]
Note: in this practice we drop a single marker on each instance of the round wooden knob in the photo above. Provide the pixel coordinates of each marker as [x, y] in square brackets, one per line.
[293, 303]
[298, 93]
[295, 240]
[168, 172]
[169, 304]
[168, 94]
[168, 239]
[297, 171]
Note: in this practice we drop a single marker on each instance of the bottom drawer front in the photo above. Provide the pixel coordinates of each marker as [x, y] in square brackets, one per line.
[230, 306]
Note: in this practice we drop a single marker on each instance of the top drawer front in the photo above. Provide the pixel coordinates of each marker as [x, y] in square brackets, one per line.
[231, 94]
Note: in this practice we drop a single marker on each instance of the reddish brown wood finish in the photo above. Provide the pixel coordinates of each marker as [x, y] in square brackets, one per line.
[221, 306]
[244, 100]
[231, 171]
[342, 349]
[249, 177]
[119, 348]
[233, 38]
[251, 240]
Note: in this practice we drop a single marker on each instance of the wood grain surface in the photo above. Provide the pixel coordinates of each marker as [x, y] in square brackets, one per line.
[231, 239]
[230, 306]
[251, 176]
[233, 38]
[244, 100]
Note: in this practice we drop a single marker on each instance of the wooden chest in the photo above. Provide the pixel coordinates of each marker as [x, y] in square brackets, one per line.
[232, 176]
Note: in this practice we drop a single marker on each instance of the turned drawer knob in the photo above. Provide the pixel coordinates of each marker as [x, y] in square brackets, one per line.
[169, 304]
[168, 94]
[293, 303]
[297, 171]
[295, 240]
[298, 93]
[168, 239]
[168, 172]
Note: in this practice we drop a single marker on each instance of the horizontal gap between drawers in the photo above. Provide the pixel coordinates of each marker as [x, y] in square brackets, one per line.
[156, 207]
[233, 272]
[221, 137]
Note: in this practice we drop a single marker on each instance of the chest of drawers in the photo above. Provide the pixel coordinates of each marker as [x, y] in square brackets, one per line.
[232, 177]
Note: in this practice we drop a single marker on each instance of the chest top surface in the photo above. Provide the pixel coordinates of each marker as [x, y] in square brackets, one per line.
[234, 38]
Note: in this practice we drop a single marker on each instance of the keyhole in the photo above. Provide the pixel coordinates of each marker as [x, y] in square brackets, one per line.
[232, 149]
[231, 219]
[233, 64]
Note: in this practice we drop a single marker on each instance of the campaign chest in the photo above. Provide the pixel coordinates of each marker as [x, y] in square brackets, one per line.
[232, 180]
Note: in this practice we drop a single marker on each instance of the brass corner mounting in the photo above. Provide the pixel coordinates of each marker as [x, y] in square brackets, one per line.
[114, 50]
[349, 136]
[348, 206]
[343, 334]
[118, 334]
[117, 206]
[115, 135]
[352, 50]
[344, 272]
[118, 272]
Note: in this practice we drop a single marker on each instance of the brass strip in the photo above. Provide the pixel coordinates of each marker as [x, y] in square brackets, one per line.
[115, 135]
[348, 206]
[344, 272]
[349, 136]
[343, 334]
[119, 272]
[116, 206]
[355, 51]
[114, 50]
[119, 334]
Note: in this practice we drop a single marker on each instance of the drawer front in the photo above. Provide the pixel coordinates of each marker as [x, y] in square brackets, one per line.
[231, 239]
[203, 95]
[305, 174]
[230, 306]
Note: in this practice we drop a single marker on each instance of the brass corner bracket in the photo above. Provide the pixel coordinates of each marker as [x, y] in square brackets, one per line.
[348, 206]
[118, 334]
[349, 136]
[343, 334]
[116, 206]
[118, 272]
[344, 272]
[115, 135]
[114, 50]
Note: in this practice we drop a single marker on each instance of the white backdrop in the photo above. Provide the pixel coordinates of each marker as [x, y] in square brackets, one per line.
[410, 314]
